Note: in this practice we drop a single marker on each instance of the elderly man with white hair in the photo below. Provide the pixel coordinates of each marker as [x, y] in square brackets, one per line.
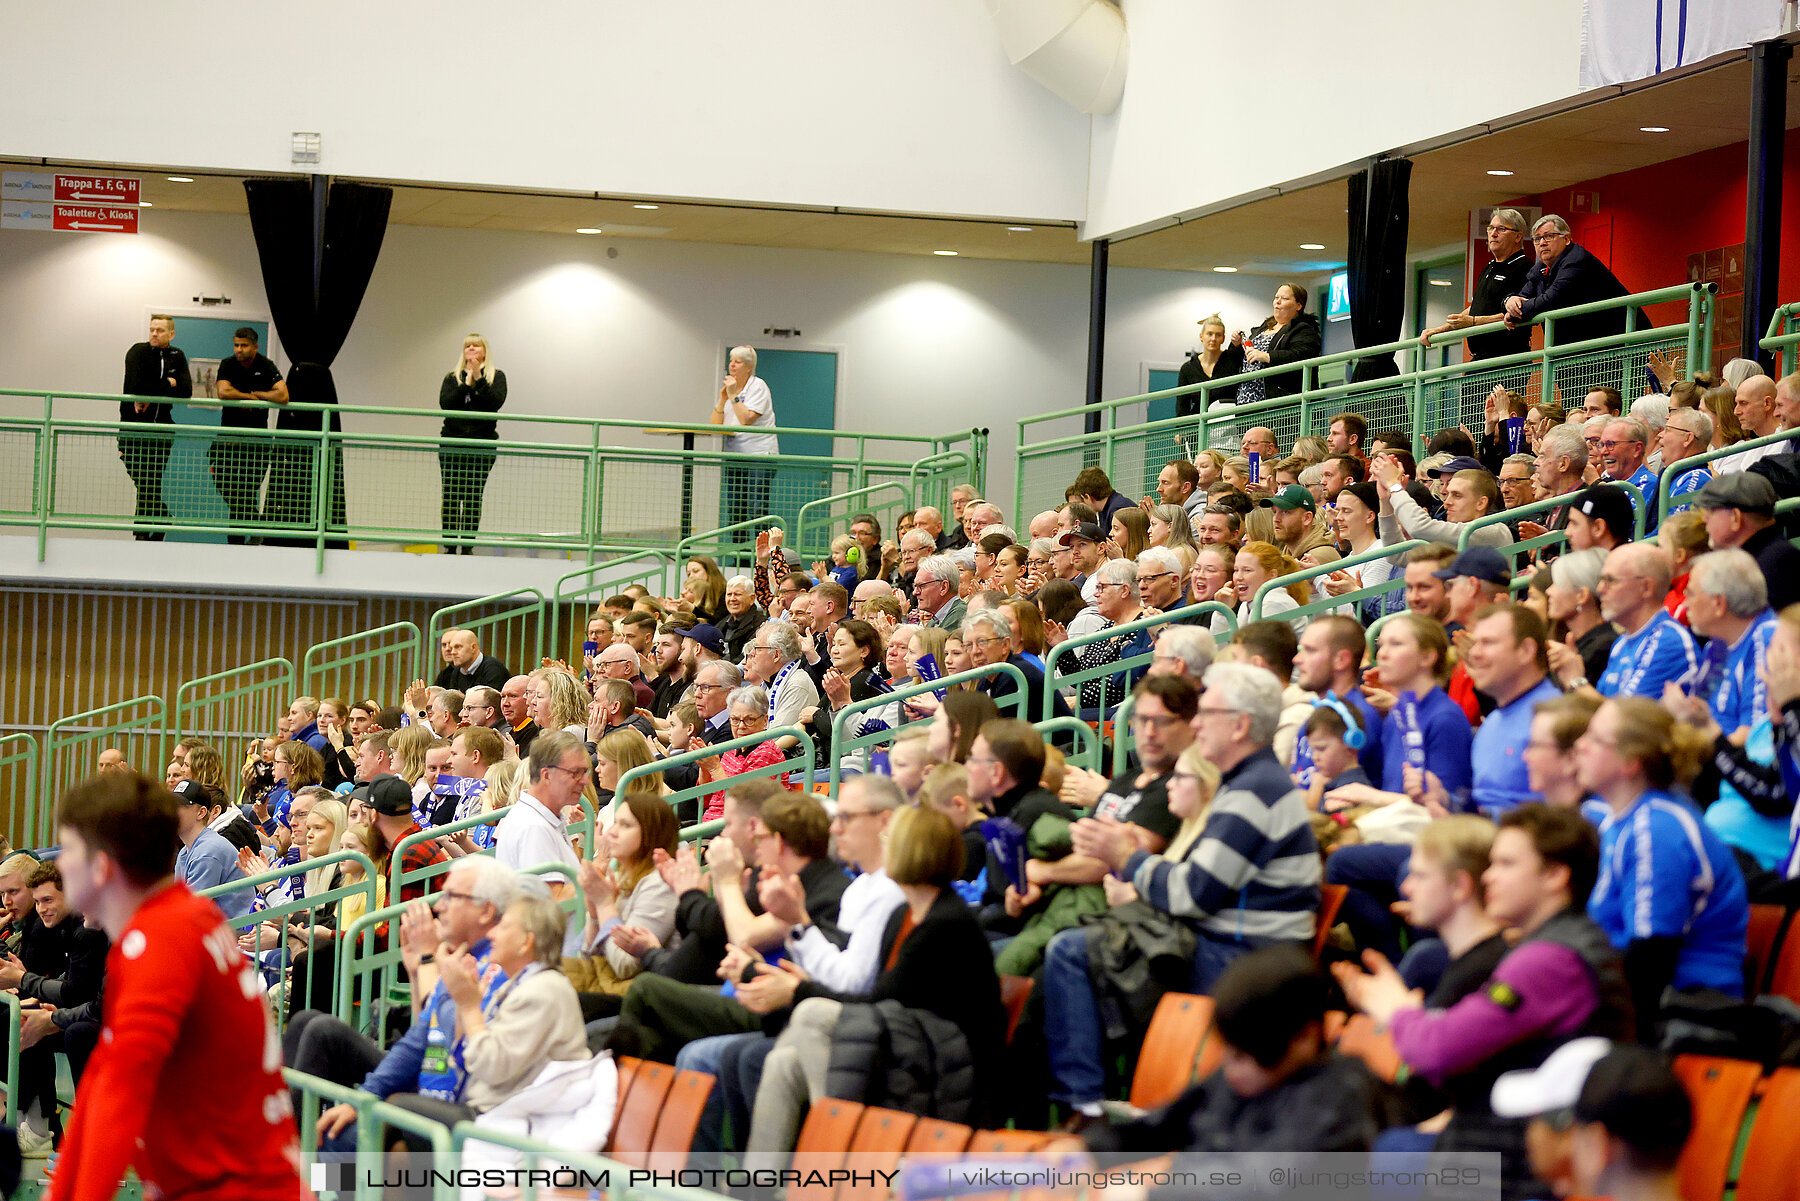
[916, 545]
[988, 635]
[1183, 650]
[1115, 603]
[1561, 470]
[936, 592]
[773, 659]
[1162, 582]
[1686, 433]
[1625, 443]
[1728, 603]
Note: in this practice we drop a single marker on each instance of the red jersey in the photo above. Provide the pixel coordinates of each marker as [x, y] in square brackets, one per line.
[185, 1084]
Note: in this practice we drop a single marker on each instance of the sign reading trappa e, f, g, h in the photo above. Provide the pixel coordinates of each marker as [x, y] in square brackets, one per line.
[69, 203]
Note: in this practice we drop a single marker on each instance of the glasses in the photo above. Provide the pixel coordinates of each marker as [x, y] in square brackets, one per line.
[848, 815]
[738, 719]
[1141, 721]
[1161, 575]
[1034, 562]
[1540, 239]
[980, 759]
[709, 688]
[447, 895]
[1097, 587]
[1203, 711]
[1613, 581]
[1188, 776]
[576, 772]
[757, 646]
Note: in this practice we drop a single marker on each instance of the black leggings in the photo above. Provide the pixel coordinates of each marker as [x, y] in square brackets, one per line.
[465, 474]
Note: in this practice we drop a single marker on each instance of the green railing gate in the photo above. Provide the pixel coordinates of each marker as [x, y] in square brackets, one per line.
[513, 626]
[138, 727]
[373, 664]
[28, 821]
[229, 708]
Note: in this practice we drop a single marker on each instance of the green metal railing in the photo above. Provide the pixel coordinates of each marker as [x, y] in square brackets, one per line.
[1331, 604]
[229, 708]
[1674, 471]
[380, 670]
[737, 540]
[561, 483]
[1090, 748]
[139, 727]
[819, 520]
[1783, 336]
[513, 627]
[1640, 518]
[373, 1115]
[801, 766]
[1131, 445]
[29, 816]
[843, 743]
[11, 1001]
[576, 593]
[1122, 667]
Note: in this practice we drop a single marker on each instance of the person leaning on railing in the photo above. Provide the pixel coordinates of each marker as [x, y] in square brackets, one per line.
[1291, 336]
[1564, 276]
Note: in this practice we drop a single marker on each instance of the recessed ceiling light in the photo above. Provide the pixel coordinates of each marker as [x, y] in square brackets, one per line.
[949, 254]
[646, 206]
[1226, 270]
[181, 179]
[1653, 129]
[146, 205]
[1441, 283]
[1312, 246]
[586, 230]
[1499, 172]
[1018, 229]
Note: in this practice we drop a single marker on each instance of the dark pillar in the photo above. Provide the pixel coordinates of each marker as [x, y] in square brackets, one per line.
[1096, 361]
[1762, 221]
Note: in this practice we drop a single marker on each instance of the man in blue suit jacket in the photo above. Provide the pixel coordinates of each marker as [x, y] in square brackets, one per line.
[1566, 275]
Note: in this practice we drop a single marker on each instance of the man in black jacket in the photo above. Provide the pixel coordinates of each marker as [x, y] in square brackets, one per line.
[62, 964]
[152, 369]
[239, 464]
[1503, 276]
[1566, 275]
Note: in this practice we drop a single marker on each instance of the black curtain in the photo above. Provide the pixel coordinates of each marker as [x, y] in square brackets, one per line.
[1378, 221]
[315, 274]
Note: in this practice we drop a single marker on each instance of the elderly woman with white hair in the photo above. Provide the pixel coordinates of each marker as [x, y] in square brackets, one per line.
[745, 402]
[749, 710]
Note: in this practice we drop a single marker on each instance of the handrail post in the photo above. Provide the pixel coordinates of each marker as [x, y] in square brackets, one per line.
[321, 503]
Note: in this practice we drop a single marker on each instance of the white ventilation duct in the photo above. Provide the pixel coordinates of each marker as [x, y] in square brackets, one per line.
[1076, 48]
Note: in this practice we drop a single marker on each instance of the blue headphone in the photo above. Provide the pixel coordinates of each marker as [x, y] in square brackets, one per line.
[1354, 736]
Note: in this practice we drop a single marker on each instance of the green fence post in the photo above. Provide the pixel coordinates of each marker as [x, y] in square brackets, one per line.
[26, 822]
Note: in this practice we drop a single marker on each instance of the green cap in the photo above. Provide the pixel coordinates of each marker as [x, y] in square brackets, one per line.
[1294, 496]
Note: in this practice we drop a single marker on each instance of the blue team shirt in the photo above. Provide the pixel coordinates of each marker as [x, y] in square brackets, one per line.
[1498, 753]
[1686, 484]
[1644, 480]
[1664, 874]
[1641, 663]
[1742, 699]
[209, 862]
[1447, 742]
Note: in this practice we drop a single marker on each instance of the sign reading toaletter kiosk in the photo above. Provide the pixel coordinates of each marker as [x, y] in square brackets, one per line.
[69, 203]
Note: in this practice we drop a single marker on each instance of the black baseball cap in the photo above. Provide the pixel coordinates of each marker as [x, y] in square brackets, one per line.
[1481, 562]
[1603, 502]
[1087, 529]
[386, 794]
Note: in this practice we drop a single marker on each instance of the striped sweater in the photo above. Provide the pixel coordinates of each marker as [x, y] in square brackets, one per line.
[1253, 876]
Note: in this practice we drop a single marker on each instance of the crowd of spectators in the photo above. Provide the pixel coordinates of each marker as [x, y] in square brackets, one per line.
[1551, 756]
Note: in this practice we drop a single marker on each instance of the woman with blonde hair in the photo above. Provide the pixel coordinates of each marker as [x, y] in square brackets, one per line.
[1236, 472]
[617, 753]
[1219, 358]
[1312, 448]
[474, 387]
[1257, 564]
[1682, 536]
[1638, 759]
[1210, 464]
[622, 887]
[1721, 405]
[1170, 527]
[559, 702]
[1130, 533]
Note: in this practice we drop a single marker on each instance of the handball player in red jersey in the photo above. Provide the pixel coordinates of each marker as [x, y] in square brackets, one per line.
[185, 1085]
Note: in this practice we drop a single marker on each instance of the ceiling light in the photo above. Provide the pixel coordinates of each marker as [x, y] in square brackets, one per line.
[1226, 270]
[587, 230]
[1441, 283]
[146, 205]
[181, 179]
[1018, 229]
[946, 253]
[646, 206]
[1499, 172]
[1311, 246]
[1653, 129]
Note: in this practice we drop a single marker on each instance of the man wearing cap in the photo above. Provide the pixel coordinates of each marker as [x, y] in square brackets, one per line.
[1601, 516]
[1561, 980]
[1470, 494]
[206, 859]
[1083, 544]
[1608, 1119]
[1653, 649]
[1624, 444]
[392, 801]
[1294, 512]
[1740, 513]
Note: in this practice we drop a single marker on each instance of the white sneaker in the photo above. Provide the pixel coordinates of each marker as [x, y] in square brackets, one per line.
[33, 1145]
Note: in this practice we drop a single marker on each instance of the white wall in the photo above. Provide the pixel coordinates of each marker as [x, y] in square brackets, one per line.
[907, 107]
[929, 344]
[1223, 100]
